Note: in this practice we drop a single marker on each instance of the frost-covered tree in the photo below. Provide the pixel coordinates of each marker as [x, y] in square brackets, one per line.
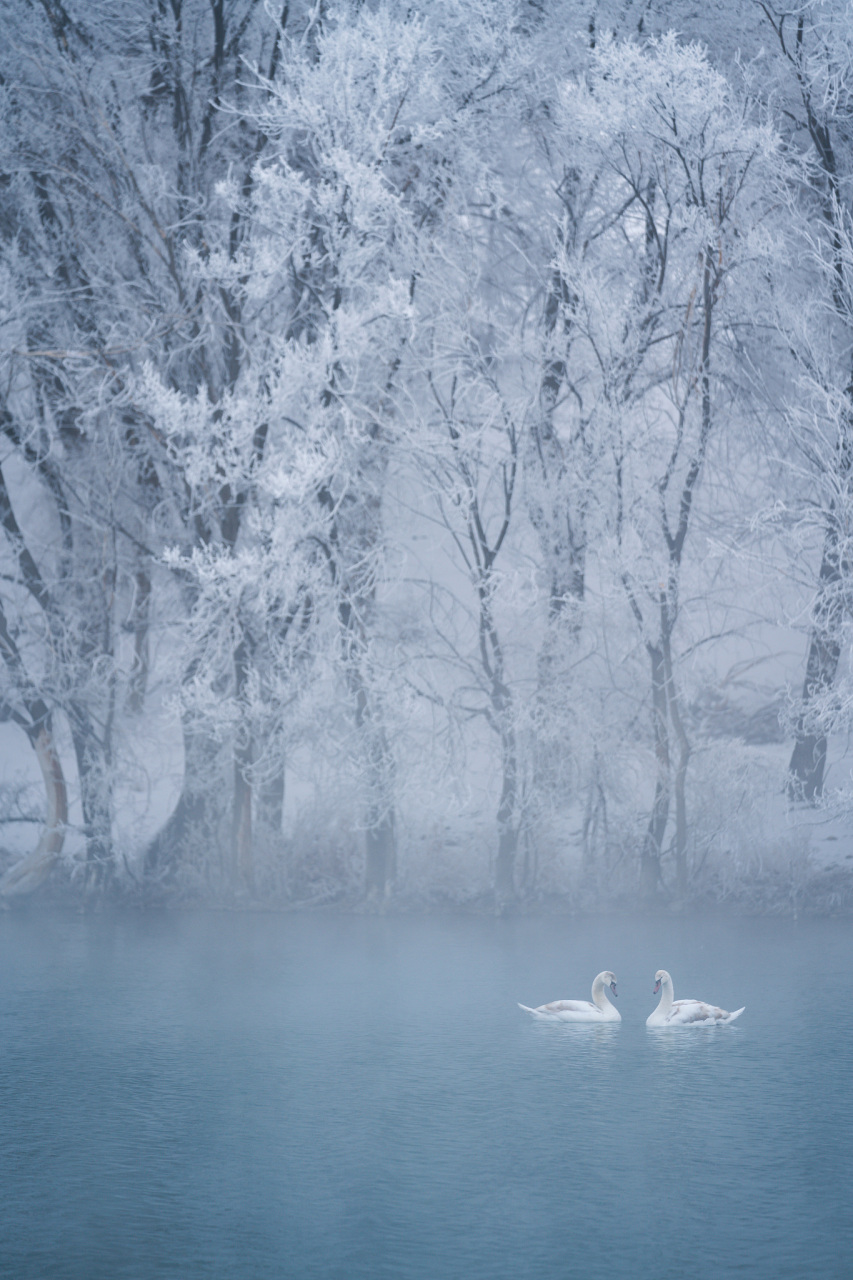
[327, 274]
[295, 299]
[813, 47]
[368, 128]
[116, 147]
[669, 168]
[467, 450]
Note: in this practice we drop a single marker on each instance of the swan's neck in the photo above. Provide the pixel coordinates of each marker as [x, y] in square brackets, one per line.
[599, 996]
[666, 997]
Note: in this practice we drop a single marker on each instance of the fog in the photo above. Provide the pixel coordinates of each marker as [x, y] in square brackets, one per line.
[262, 1095]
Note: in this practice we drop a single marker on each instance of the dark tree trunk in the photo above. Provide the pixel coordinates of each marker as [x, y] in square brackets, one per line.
[680, 779]
[650, 872]
[356, 535]
[31, 871]
[505, 887]
[138, 683]
[94, 776]
[35, 720]
[271, 804]
[556, 504]
[808, 761]
[244, 871]
[380, 835]
[241, 831]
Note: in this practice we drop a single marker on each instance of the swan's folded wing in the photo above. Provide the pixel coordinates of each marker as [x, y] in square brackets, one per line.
[687, 1011]
[693, 1012]
[567, 1006]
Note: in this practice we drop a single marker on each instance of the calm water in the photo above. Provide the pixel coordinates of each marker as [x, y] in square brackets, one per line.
[273, 1096]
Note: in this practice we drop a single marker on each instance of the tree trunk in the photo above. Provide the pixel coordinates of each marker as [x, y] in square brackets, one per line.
[356, 536]
[556, 502]
[507, 825]
[138, 683]
[195, 825]
[594, 831]
[381, 866]
[650, 873]
[271, 804]
[380, 837]
[94, 775]
[680, 779]
[808, 761]
[35, 720]
[241, 829]
[244, 872]
[27, 875]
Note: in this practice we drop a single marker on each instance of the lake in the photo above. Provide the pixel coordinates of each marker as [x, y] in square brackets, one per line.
[329, 1096]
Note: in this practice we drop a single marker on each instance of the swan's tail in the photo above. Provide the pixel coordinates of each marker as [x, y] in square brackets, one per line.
[736, 1014]
[527, 1009]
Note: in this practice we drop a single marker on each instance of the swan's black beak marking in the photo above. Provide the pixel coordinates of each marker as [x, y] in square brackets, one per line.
[613, 988]
[657, 987]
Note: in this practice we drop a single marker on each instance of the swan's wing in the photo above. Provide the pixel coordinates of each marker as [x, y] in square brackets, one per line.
[568, 1006]
[688, 1012]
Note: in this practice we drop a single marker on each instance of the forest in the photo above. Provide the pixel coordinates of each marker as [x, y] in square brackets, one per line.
[427, 452]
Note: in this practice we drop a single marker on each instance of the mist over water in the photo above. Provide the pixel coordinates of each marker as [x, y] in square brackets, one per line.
[265, 1096]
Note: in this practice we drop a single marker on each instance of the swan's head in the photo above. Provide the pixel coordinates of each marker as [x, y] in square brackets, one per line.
[609, 980]
[660, 978]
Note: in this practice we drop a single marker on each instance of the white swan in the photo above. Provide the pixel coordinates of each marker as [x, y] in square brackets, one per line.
[601, 1010]
[685, 1013]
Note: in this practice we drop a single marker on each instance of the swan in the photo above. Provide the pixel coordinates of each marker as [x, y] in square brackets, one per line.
[685, 1013]
[600, 1010]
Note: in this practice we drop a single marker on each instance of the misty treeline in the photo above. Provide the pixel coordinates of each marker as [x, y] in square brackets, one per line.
[426, 440]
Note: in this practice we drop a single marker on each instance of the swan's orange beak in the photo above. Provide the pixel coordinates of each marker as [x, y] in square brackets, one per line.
[657, 987]
[613, 988]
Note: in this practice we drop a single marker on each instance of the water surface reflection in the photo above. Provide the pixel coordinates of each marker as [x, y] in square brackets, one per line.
[224, 1096]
